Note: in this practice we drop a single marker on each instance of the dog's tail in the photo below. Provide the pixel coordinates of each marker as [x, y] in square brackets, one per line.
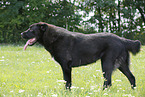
[132, 45]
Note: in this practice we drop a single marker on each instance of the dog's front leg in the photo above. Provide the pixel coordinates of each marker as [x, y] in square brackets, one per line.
[67, 76]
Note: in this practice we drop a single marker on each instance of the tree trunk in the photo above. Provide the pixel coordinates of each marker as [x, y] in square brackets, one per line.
[100, 20]
[119, 15]
[142, 13]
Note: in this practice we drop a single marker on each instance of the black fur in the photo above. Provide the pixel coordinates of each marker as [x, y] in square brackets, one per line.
[72, 49]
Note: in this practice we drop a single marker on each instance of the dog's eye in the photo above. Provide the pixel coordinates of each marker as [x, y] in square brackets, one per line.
[32, 31]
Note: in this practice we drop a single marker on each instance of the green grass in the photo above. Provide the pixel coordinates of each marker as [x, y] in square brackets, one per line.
[33, 73]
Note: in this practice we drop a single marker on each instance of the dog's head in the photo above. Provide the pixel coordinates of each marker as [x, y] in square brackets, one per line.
[34, 33]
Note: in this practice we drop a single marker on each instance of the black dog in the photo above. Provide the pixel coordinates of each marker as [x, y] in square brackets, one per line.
[71, 49]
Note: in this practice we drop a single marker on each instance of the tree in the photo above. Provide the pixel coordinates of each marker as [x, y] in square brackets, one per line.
[125, 18]
[137, 4]
[116, 16]
[10, 19]
[17, 15]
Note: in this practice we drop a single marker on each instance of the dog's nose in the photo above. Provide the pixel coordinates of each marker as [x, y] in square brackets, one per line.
[21, 33]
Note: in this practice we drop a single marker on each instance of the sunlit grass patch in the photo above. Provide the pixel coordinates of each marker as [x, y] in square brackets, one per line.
[33, 73]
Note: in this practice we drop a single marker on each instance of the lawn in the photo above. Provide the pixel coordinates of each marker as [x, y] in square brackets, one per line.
[33, 73]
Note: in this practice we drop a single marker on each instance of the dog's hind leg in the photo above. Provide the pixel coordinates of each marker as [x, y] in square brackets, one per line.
[126, 71]
[124, 68]
[107, 68]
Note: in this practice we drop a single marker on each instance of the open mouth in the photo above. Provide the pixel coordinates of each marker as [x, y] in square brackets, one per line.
[30, 42]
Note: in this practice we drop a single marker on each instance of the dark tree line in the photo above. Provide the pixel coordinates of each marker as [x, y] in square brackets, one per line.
[125, 18]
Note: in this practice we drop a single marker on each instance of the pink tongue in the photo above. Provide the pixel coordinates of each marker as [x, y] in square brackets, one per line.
[26, 44]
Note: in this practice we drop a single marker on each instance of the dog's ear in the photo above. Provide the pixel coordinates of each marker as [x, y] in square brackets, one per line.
[43, 27]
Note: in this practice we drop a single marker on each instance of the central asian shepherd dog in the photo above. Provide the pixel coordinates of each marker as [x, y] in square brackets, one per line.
[73, 49]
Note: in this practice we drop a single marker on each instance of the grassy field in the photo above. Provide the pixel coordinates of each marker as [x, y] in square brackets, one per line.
[33, 73]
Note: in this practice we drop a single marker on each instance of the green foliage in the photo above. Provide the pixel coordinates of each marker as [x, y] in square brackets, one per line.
[125, 18]
[17, 15]
[119, 17]
[34, 73]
